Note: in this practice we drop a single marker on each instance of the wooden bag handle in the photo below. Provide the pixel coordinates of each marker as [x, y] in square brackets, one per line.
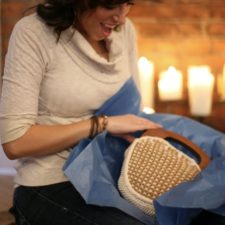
[162, 133]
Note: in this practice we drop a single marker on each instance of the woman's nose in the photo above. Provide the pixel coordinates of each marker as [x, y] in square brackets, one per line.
[119, 19]
[121, 13]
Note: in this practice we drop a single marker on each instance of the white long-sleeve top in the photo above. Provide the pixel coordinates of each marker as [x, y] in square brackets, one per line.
[50, 82]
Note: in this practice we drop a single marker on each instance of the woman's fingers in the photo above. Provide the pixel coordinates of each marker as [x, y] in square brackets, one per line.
[129, 123]
[127, 137]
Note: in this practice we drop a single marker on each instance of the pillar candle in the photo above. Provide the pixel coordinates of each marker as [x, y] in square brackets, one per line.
[200, 90]
[223, 84]
[146, 74]
[170, 84]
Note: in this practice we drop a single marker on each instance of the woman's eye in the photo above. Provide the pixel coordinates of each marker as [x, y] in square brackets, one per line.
[111, 6]
[130, 3]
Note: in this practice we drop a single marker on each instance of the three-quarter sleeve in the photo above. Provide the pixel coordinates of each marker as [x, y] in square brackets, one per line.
[23, 73]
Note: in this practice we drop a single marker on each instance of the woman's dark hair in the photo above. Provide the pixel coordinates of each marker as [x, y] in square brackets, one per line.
[61, 14]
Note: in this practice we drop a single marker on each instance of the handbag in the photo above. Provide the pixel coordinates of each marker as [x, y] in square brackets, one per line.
[152, 166]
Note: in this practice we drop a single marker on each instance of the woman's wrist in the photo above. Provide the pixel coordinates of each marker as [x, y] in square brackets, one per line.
[98, 125]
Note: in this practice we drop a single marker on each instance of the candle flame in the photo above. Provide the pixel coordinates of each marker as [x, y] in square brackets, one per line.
[148, 110]
[145, 66]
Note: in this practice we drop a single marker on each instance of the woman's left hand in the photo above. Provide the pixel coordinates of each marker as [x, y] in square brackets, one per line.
[124, 125]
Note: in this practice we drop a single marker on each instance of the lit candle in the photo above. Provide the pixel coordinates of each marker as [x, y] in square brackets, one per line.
[200, 90]
[170, 84]
[223, 84]
[146, 73]
[148, 110]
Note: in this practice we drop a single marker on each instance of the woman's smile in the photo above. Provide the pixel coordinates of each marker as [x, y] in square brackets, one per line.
[107, 28]
[99, 23]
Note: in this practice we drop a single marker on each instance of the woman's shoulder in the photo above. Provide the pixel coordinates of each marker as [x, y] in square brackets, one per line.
[128, 30]
[33, 24]
[30, 22]
[129, 26]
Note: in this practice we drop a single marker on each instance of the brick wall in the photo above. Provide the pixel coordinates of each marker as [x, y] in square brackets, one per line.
[170, 33]
[181, 33]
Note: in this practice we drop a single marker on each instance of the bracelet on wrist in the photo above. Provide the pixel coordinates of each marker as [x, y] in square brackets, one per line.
[96, 126]
[104, 122]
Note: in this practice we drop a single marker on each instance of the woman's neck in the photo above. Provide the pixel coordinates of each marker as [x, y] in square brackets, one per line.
[100, 48]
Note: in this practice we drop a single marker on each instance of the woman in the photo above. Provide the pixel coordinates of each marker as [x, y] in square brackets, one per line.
[62, 64]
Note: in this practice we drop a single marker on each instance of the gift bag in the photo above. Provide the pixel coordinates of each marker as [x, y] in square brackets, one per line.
[94, 166]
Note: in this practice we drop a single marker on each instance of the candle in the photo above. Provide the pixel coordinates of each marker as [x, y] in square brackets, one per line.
[223, 84]
[200, 90]
[170, 84]
[148, 110]
[146, 74]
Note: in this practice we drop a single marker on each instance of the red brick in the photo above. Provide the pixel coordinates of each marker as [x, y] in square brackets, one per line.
[218, 45]
[154, 29]
[159, 29]
[163, 45]
[12, 9]
[216, 29]
[7, 29]
[169, 11]
[194, 46]
[187, 29]
[194, 1]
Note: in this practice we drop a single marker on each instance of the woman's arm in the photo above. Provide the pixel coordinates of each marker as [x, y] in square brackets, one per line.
[48, 139]
[21, 136]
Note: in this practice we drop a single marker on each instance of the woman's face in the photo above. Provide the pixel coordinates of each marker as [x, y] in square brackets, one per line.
[99, 23]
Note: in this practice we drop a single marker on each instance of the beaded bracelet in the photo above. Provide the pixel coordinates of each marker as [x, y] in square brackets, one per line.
[104, 122]
[94, 130]
[94, 126]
